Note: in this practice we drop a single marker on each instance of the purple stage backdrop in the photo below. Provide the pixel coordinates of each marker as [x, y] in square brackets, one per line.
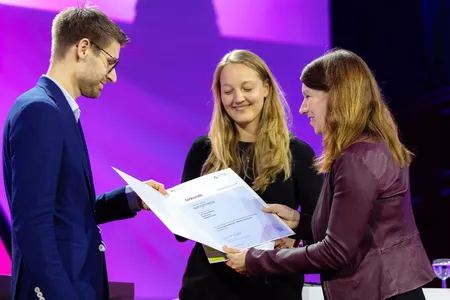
[146, 122]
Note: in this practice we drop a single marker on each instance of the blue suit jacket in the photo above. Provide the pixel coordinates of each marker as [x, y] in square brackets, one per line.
[57, 248]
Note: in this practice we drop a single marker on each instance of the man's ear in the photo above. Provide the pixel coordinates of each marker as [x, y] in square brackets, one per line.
[83, 47]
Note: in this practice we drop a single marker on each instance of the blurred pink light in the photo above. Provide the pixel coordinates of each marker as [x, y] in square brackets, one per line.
[287, 21]
[120, 11]
[5, 261]
[301, 22]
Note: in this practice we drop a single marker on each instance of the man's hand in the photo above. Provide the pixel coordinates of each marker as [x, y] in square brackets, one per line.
[289, 216]
[157, 186]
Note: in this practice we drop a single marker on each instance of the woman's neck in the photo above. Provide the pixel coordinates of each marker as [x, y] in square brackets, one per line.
[247, 133]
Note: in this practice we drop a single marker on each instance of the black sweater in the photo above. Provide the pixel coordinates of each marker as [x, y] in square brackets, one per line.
[205, 281]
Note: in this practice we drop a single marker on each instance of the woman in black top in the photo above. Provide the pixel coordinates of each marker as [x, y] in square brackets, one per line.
[249, 134]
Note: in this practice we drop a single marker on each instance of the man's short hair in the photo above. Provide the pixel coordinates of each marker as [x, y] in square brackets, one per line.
[74, 24]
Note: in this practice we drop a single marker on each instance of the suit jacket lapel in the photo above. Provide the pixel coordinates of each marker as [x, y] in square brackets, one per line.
[76, 136]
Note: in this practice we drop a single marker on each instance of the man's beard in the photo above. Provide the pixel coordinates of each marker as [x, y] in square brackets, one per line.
[90, 88]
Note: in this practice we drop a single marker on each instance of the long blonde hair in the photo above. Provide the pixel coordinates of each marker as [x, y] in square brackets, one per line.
[270, 152]
[355, 107]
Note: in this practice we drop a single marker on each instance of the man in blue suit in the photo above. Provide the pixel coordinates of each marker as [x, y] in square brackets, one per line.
[58, 252]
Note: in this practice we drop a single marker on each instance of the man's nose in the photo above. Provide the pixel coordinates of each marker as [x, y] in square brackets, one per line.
[112, 76]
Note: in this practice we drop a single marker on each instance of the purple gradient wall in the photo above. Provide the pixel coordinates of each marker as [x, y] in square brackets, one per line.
[144, 124]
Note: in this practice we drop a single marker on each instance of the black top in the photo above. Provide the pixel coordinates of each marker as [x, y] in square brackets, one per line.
[205, 281]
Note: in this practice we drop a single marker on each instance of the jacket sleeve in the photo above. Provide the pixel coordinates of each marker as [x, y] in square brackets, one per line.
[355, 190]
[113, 206]
[36, 145]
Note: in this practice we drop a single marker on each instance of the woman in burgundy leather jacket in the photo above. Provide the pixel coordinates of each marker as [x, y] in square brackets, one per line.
[367, 245]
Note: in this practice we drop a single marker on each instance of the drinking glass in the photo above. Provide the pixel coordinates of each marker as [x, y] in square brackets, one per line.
[441, 269]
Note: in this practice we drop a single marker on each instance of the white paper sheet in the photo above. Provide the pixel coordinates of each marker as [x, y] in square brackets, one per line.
[217, 209]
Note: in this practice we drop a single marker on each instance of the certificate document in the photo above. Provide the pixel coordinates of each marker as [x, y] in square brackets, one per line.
[218, 209]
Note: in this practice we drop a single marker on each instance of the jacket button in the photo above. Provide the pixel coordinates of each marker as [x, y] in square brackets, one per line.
[37, 290]
[102, 247]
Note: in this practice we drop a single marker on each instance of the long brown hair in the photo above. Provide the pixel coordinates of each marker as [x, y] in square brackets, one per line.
[355, 107]
[270, 153]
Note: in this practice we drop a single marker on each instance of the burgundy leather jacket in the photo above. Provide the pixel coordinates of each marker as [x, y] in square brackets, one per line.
[366, 241]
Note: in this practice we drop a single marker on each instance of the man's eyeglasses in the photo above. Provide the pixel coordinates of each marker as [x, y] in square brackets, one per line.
[112, 61]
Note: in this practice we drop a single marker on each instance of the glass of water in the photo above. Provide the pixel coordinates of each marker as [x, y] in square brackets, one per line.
[441, 269]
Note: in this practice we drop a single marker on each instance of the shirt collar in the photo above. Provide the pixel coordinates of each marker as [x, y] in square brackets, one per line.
[73, 104]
